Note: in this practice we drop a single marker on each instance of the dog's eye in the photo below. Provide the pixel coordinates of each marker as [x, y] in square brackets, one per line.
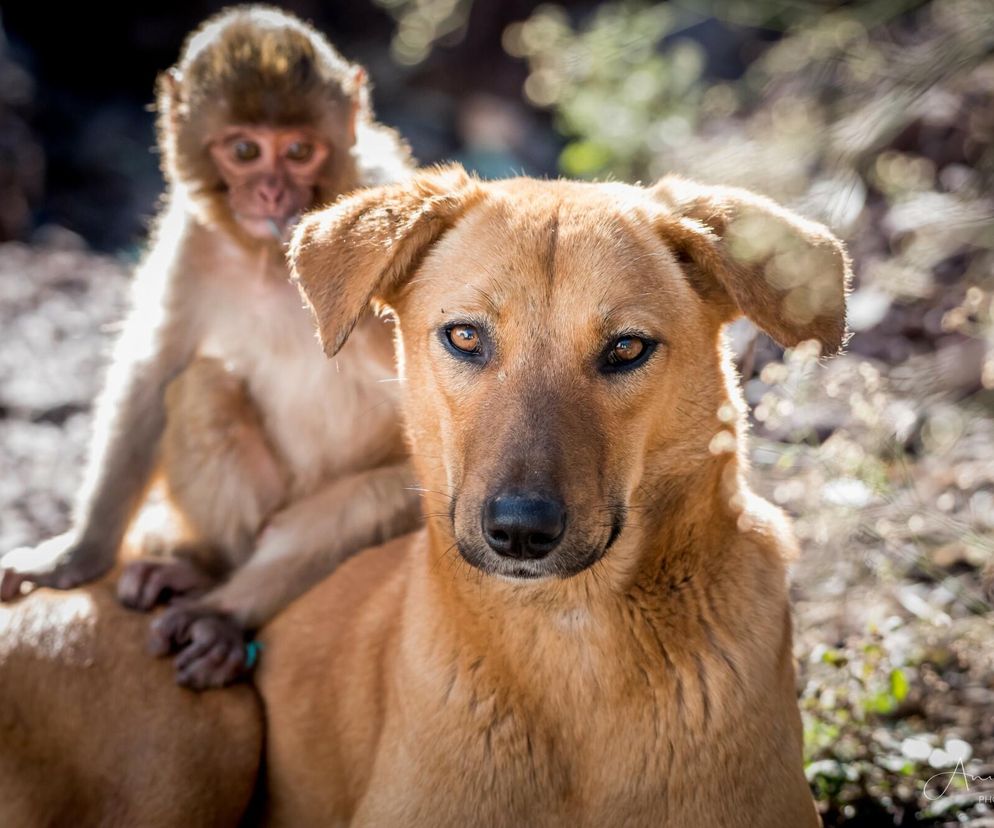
[626, 349]
[465, 338]
[626, 352]
[465, 341]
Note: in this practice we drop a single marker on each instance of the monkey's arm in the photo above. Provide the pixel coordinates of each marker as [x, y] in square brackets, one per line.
[301, 545]
[157, 341]
[305, 541]
[129, 425]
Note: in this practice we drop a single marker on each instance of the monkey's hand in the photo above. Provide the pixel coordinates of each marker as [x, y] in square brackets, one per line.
[212, 646]
[62, 562]
[147, 582]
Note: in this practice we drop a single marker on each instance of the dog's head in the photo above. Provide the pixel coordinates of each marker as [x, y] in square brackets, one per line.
[561, 341]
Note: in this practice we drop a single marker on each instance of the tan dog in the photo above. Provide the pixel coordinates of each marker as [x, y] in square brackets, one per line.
[594, 627]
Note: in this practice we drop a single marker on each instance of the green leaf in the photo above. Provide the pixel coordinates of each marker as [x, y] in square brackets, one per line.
[584, 158]
[880, 703]
[899, 684]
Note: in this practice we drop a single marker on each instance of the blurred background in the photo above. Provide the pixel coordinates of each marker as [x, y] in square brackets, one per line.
[874, 117]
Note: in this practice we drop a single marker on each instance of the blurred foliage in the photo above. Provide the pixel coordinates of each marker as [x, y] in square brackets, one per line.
[423, 23]
[855, 766]
[875, 117]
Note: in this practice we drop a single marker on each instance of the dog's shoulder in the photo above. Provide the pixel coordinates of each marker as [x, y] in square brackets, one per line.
[329, 624]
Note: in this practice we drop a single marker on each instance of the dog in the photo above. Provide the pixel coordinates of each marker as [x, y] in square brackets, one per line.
[593, 626]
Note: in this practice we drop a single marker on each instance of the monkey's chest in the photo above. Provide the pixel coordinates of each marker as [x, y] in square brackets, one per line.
[324, 418]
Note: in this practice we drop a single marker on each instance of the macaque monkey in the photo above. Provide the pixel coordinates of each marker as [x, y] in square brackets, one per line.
[276, 464]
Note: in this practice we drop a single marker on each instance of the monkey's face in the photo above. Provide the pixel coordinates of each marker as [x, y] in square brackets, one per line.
[270, 175]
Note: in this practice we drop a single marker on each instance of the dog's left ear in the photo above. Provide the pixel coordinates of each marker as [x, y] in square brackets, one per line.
[363, 246]
[748, 255]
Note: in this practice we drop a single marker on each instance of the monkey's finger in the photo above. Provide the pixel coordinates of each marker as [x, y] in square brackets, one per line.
[234, 668]
[219, 654]
[186, 579]
[195, 650]
[10, 584]
[153, 588]
[129, 585]
[159, 642]
[6, 585]
[202, 672]
[169, 631]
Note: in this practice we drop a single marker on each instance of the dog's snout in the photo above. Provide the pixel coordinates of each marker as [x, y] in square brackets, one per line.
[523, 526]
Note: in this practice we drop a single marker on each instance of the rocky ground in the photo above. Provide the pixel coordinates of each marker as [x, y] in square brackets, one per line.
[889, 469]
[892, 487]
[59, 306]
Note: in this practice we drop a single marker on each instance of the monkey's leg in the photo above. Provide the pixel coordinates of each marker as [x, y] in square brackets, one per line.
[220, 475]
[300, 545]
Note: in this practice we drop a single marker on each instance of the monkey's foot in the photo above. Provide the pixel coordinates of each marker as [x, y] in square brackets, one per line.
[59, 563]
[147, 582]
[212, 646]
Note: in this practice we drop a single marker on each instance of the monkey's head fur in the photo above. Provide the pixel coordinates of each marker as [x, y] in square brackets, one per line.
[258, 65]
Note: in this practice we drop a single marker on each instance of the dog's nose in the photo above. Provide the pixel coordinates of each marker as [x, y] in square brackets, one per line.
[523, 526]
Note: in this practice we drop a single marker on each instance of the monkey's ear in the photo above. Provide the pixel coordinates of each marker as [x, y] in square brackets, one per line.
[359, 93]
[173, 78]
[363, 247]
[170, 88]
[750, 256]
[169, 96]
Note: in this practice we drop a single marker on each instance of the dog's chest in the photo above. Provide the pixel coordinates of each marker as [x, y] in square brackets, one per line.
[484, 758]
[628, 740]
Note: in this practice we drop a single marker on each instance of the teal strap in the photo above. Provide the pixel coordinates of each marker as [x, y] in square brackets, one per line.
[252, 650]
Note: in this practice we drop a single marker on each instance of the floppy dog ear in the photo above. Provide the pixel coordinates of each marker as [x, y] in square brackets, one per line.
[363, 246]
[787, 274]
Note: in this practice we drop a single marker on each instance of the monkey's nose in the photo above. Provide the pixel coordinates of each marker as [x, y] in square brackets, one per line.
[523, 526]
[272, 195]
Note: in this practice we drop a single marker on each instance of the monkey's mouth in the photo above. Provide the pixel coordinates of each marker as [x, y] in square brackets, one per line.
[278, 228]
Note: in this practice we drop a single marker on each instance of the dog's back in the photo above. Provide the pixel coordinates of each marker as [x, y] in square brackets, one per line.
[95, 732]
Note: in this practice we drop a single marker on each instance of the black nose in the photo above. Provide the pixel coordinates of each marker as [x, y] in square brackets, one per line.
[523, 526]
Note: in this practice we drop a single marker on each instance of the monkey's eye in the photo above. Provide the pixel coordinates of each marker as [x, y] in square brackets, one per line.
[626, 352]
[300, 151]
[245, 151]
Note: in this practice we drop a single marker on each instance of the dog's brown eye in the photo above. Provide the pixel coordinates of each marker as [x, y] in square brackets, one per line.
[245, 151]
[464, 338]
[626, 352]
[626, 349]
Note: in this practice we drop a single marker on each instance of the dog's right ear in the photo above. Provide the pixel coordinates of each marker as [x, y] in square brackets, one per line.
[365, 245]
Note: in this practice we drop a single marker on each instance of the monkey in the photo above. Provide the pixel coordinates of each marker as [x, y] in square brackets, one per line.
[275, 465]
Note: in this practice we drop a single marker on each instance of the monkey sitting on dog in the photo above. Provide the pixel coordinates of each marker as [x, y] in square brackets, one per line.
[278, 464]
